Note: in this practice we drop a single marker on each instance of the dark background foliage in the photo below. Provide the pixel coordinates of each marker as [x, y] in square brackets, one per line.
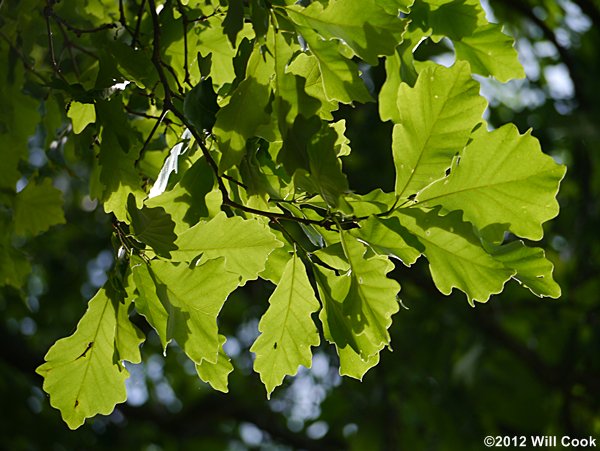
[517, 365]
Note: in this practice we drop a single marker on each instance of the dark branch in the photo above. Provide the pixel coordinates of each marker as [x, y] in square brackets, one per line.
[135, 38]
[149, 138]
[327, 223]
[80, 31]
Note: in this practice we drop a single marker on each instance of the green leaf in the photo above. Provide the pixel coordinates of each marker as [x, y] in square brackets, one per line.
[389, 237]
[200, 106]
[246, 111]
[291, 99]
[213, 43]
[375, 202]
[152, 226]
[128, 337]
[80, 373]
[393, 6]
[352, 365]
[245, 244]
[502, 177]
[534, 271]
[361, 24]
[82, 114]
[338, 329]
[452, 18]
[37, 208]
[490, 52]
[276, 263]
[287, 329]
[293, 153]
[147, 303]
[234, 21]
[134, 63]
[185, 202]
[342, 143]
[436, 119]
[333, 256]
[371, 299]
[14, 267]
[325, 176]
[388, 106]
[339, 76]
[216, 374]
[456, 257]
[399, 68]
[117, 175]
[189, 299]
[307, 67]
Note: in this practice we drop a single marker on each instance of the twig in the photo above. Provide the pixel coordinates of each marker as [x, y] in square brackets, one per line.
[47, 14]
[149, 138]
[136, 33]
[67, 43]
[156, 59]
[327, 223]
[181, 10]
[80, 31]
[122, 18]
[232, 180]
[174, 75]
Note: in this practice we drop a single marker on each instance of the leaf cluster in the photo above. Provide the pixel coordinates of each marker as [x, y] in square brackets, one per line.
[212, 137]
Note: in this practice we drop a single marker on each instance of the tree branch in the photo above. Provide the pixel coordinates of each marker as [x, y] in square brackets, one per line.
[80, 31]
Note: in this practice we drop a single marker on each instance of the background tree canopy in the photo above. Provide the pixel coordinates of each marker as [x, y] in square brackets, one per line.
[150, 151]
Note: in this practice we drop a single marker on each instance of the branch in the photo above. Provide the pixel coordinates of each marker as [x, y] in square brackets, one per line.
[185, 22]
[136, 33]
[80, 31]
[149, 138]
[327, 223]
[156, 59]
[47, 14]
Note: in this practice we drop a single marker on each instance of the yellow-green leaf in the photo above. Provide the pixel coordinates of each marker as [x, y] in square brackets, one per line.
[287, 329]
[81, 374]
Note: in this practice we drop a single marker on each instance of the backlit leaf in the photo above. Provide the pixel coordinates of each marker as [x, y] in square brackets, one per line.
[436, 119]
[371, 299]
[338, 328]
[82, 114]
[38, 207]
[339, 76]
[216, 374]
[79, 366]
[152, 226]
[490, 52]
[456, 258]
[361, 24]
[246, 111]
[189, 299]
[452, 18]
[287, 329]
[245, 244]
[389, 237]
[502, 178]
[534, 270]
